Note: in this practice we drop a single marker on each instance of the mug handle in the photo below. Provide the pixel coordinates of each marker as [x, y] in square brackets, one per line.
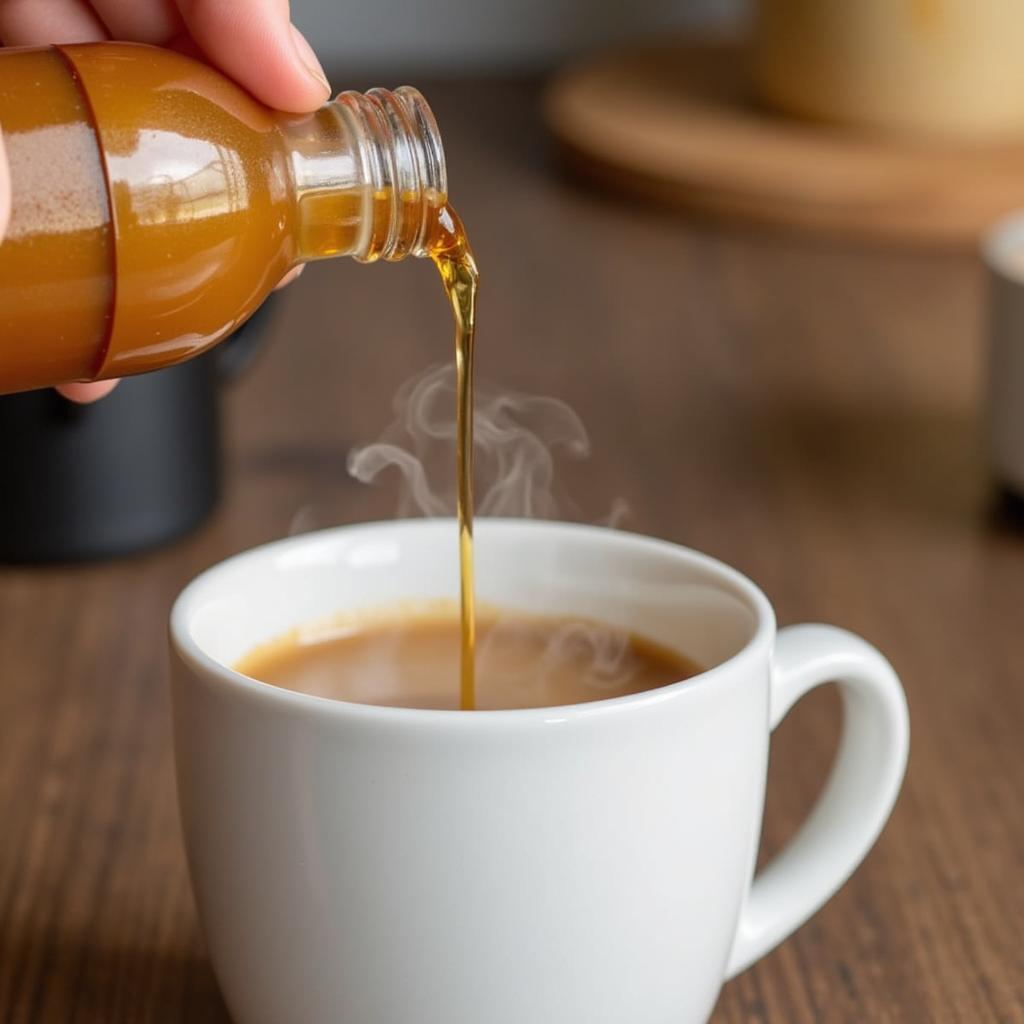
[859, 794]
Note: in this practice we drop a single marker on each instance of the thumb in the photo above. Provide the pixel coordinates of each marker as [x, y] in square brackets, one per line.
[5, 190]
[254, 42]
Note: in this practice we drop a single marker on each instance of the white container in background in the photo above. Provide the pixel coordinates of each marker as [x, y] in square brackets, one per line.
[1003, 253]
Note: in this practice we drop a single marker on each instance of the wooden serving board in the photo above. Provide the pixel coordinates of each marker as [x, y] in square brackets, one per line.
[674, 122]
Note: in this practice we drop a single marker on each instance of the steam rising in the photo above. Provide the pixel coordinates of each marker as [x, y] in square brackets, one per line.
[516, 440]
[596, 657]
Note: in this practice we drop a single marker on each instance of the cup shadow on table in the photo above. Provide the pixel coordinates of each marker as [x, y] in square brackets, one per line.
[88, 980]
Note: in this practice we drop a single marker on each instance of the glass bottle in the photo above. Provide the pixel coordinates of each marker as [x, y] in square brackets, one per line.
[155, 203]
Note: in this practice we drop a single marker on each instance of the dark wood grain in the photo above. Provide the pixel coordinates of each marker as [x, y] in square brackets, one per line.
[808, 413]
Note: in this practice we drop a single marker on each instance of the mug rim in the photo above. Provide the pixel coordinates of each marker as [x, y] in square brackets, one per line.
[189, 650]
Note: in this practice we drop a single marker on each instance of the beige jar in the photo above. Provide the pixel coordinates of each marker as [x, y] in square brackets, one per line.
[939, 68]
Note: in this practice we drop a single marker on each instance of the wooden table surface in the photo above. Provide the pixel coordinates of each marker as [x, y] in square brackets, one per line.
[806, 412]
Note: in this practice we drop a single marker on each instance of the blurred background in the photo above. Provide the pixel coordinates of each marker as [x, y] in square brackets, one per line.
[454, 36]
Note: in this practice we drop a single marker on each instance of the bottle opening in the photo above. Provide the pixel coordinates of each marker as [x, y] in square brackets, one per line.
[403, 170]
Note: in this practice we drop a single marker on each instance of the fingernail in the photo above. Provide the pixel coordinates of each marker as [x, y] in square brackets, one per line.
[308, 58]
[83, 393]
[290, 276]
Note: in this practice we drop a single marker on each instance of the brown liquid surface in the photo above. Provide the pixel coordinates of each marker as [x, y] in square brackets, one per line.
[414, 661]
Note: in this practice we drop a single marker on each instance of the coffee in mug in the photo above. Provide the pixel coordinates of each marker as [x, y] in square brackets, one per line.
[412, 660]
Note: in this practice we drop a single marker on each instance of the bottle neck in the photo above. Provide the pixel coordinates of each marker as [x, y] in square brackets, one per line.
[369, 176]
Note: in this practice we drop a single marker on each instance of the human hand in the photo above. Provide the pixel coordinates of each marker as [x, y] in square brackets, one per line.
[252, 41]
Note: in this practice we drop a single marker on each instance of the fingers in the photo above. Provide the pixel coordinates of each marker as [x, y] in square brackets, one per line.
[254, 42]
[142, 21]
[5, 190]
[28, 22]
[25, 22]
[86, 393]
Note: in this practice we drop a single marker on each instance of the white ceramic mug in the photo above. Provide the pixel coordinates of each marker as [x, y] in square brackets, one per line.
[579, 865]
[1003, 253]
